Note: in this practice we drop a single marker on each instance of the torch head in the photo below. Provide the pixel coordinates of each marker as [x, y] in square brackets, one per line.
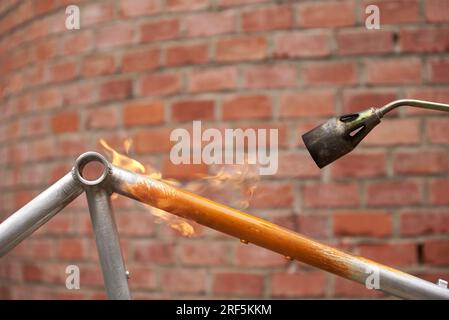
[338, 136]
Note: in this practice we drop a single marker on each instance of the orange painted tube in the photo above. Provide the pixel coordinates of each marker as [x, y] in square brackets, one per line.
[268, 235]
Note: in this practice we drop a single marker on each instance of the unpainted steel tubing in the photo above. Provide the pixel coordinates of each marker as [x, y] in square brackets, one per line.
[37, 212]
[105, 229]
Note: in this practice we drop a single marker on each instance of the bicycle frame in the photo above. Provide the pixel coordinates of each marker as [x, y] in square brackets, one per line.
[230, 221]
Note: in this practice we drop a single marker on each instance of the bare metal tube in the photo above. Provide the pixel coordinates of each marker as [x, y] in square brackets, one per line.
[413, 103]
[37, 212]
[270, 236]
[108, 244]
[105, 229]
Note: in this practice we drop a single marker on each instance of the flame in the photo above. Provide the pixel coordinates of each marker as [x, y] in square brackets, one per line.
[126, 162]
[231, 184]
[123, 161]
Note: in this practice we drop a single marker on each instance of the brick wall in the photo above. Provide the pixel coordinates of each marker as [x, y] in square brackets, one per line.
[139, 69]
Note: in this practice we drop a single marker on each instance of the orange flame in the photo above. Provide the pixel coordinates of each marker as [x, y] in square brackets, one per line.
[234, 184]
[124, 161]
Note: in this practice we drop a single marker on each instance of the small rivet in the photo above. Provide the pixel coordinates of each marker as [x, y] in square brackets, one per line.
[442, 283]
[288, 258]
[244, 241]
[127, 274]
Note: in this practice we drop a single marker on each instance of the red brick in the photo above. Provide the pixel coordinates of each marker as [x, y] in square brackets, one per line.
[115, 35]
[393, 193]
[41, 248]
[197, 254]
[257, 257]
[350, 289]
[133, 8]
[435, 252]
[212, 79]
[330, 195]
[185, 5]
[356, 42]
[247, 107]
[78, 42]
[183, 281]
[72, 249]
[238, 284]
[421, 162]
[330, 73]
[436, 10]
[188, 110]
[183, 171]
[43, 6]
[101, 118]
[96, 13]
[64, 71]
[79, 93]
[116, 89]
[358, 100]
[160, 84]
[272, 195]
[187, 54]
[394, 11]
[362, 223]
[160, 30]
[45, 50]
[65, 121]
[135, 223]
[424, 40]
[313, 225]
[139, 60]
[301, 45]
[210, 23]
[242, 48]
[329, 14]
[391, 254]
[394, 132]
[439, 70]
[438, 194]
[152, 140]
[23, 197]
[279, 17]
[424, 222]
[393, 71]
[296, 165]
[270, 76]
[31, 272]
[437, 130]
[154, 252]
[142, 278]
[228, 3]
[311, 103]
[143, 113]
[298, 284]
[98, 64]
[48, 99]
[355, 164]
[279, 127]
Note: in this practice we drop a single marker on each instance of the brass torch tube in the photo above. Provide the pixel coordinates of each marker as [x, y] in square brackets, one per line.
[268, 235]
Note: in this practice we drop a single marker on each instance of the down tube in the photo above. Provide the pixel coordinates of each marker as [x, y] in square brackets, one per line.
[270, 236]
